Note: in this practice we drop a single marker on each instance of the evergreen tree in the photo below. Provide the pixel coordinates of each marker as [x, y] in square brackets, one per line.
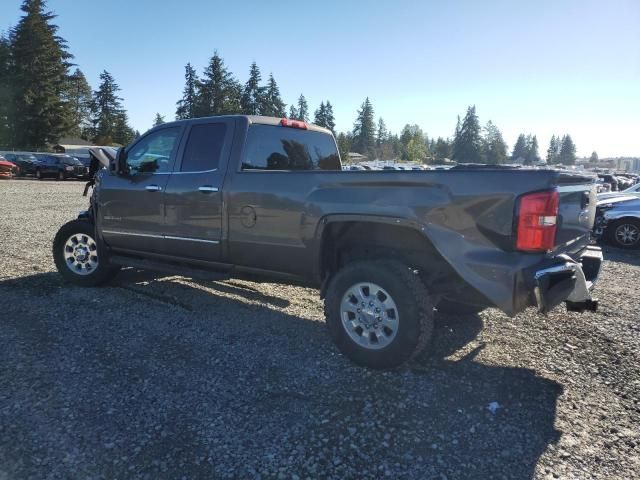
[252, 100]
[218, 92]
[6, 93]
[108, 116]
[467, 145]
[344, 141]
[158, 120]
[414, 147]
[303, 109]
[382, 133]
[272, 104]
[441, 150]
[553, 152]
[186, 106]
[532, 151]
[364, 131]
[594, 157]
[78, 97]
[567, 151]
[495, 148]
[329, 118]
[320, 116]
[520, 152]
[39, 72]
[293, 113]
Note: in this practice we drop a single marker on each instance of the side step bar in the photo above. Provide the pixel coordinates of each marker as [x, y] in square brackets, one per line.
[167, 267]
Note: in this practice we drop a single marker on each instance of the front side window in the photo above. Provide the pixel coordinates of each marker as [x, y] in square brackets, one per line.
[152, 154]
[272, 147]
[203, 147]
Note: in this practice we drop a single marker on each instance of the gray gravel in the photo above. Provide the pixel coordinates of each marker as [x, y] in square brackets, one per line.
[166, 377]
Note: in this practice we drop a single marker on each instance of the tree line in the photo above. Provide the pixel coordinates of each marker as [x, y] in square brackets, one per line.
[43, 98]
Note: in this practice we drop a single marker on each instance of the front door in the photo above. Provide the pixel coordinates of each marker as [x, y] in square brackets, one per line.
[193, 199]
[131, 206]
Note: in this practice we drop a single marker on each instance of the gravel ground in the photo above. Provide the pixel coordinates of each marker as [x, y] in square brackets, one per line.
[166, 377]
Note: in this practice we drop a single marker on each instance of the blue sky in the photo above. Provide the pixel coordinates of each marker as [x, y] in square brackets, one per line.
[538, 67]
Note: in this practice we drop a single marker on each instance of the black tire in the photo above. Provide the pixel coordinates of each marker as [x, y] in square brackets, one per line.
[99, 275]
[415, 312]
[448, 307]
[616, 233]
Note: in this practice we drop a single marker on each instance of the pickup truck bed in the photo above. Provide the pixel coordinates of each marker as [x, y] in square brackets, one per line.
[267, 197]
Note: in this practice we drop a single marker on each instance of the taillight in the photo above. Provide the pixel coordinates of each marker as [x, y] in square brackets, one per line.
[537, 219]
[285, 122]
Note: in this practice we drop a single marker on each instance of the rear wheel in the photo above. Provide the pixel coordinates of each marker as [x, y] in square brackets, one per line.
[378, 313]
[77, 257]
[624, 233]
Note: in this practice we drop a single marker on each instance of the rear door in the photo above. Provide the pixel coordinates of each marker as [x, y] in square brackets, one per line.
[193, 199]
[131, 207]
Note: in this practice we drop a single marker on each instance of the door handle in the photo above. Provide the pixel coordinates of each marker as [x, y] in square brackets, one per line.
[208, 189]
[153, 188]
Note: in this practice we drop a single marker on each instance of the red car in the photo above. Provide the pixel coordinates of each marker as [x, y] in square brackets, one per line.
[7, 168]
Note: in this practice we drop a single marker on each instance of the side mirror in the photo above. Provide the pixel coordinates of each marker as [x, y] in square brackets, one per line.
[119, 167]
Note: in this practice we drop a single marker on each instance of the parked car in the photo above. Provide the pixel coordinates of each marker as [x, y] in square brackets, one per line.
[25, 162]
[618, 221]
[59, 166]
[267, 198]
[611, 180]
[7, 169]
[633, 191]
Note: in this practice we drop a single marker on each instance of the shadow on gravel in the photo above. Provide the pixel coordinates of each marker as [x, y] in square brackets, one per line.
[612, 254]
[225, 389]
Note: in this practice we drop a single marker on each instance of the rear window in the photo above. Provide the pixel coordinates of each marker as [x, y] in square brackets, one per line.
[203, 147]
[271, 147]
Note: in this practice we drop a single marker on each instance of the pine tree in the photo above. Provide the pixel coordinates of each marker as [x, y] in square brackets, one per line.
[252, 101]
[553, 151]
[594, 157]
[218, 92]
[320, 116]
[495, 148]
[186, 106]
[344, 141]
[39, 72]
[77, 97]
[158, 120]
[293, 113]
[567, 151]
[364, 131]
[108, 116]
[272, 104]
[520, 151]
[414, 146]
[6, 93]
[532, 151]
[441, 150]
[303, 109]
[467, 145]
[382, 133]
[329, 118]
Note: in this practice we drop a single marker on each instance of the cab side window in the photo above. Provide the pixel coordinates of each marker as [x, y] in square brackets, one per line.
[152, 154]
[203, 148]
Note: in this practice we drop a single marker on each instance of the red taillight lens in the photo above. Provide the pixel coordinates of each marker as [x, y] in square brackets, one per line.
[537, 219]
[285, 122]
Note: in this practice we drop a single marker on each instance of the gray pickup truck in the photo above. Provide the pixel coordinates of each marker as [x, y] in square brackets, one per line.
[266, 198]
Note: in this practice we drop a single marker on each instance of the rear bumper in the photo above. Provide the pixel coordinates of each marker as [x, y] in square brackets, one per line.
[568, 280]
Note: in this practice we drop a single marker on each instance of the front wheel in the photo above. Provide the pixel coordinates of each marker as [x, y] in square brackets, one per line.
[624, 233]
[77, 257]
[378, 313]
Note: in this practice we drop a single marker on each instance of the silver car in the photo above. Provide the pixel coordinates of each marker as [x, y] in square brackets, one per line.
[618, 221]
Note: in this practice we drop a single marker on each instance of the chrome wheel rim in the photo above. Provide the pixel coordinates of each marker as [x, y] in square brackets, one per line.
[369, 315]
[627, 234]
[81, 254]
